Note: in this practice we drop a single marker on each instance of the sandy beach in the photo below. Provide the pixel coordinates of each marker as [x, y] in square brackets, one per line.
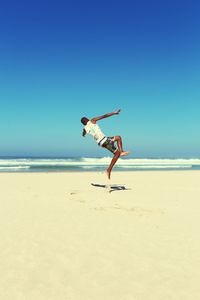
[62, 238]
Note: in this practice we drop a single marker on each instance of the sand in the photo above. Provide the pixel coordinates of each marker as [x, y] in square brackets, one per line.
[61, 238]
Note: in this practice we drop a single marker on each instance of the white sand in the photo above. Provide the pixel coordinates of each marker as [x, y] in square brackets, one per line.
[62, 239]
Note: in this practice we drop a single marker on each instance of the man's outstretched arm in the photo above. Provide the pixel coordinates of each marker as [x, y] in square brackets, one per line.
[94, 120]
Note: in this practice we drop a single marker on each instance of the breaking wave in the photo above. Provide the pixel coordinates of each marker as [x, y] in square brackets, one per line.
[84, 163]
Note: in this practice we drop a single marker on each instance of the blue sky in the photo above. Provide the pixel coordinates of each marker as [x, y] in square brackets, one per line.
[61, 60]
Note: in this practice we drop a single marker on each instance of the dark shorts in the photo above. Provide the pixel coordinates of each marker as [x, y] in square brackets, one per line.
[109, 144]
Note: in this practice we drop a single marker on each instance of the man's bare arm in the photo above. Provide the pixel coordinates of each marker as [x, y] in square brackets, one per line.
[94, 120]
[84, 132]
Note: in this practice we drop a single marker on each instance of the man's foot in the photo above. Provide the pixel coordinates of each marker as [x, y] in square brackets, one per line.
[108, 172]
[124, 153]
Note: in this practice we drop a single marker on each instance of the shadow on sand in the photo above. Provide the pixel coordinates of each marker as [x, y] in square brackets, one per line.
[111, 187]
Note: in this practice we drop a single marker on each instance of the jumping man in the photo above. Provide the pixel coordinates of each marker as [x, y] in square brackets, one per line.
[91, 127]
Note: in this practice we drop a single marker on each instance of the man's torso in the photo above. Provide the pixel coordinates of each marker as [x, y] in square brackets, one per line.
[94, 130]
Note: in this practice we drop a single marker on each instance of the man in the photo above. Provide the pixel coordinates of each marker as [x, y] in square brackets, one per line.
[91, 127]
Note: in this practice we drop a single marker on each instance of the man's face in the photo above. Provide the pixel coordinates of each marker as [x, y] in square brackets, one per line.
[84, 120]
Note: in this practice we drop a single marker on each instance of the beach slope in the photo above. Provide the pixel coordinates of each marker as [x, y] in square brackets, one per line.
[62, 238]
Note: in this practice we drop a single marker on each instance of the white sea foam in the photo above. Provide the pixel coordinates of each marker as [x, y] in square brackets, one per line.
[89, 162]
[156, 167]
[14, 167]
[141, 161]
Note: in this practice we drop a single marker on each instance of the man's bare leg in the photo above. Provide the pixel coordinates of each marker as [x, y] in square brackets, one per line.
[112, 163]
[118, 139]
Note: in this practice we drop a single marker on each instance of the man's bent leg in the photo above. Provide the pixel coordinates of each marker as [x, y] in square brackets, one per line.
[112, 163]
[118, 139]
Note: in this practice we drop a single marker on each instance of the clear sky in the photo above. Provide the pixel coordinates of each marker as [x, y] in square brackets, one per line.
[61, 60]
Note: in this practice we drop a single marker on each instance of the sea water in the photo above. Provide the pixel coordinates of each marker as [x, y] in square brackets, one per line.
[53, 164]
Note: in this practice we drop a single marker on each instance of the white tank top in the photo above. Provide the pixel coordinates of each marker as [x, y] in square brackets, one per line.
[95, 131]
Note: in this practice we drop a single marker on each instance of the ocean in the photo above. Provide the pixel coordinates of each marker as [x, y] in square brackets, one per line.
[42, 164]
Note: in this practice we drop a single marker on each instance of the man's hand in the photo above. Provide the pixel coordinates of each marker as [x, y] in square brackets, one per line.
[117, 111]
[84, 132]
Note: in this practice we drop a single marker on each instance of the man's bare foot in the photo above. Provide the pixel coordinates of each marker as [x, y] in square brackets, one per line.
[124, 153]
[108, 173]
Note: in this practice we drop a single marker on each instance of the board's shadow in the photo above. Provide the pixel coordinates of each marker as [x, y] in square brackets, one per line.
[111, 187]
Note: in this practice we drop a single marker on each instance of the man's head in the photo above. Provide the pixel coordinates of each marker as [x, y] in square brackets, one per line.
[84, 120]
